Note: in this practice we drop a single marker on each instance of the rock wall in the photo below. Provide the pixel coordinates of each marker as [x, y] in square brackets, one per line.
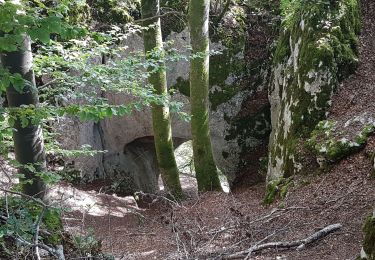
[239, 121]
[317, 48]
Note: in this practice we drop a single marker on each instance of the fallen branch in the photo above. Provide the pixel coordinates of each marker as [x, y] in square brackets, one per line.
[299, 244]
[36, 200]
[36, 235]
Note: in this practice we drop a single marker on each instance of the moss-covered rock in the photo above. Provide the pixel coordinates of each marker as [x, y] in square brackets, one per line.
[368, 250]
[173, 22]
[109, 12]
[316, 49]
[332, 143]
[239, 77]
[277, 188]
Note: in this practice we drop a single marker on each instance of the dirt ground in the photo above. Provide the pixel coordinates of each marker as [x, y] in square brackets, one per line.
[214, 224]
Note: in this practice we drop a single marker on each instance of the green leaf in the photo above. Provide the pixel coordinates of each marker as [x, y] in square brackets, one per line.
[18, 83]
[11, 121]
[24, 122]
[41, 34]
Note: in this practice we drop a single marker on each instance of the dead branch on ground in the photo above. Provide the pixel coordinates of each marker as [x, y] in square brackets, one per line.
[299, 244]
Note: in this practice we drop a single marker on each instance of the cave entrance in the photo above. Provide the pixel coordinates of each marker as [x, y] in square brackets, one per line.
[141, 162]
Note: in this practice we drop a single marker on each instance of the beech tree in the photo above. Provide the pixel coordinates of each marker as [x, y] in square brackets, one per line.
[160, 113]
[28, 139]
[205, 167]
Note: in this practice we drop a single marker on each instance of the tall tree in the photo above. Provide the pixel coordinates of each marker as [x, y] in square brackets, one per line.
[160, 113]
[205, 167]
[28, 141]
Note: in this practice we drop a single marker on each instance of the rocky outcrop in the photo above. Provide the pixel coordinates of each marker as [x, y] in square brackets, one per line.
[317, 48]
[239, 121]
[331, 140]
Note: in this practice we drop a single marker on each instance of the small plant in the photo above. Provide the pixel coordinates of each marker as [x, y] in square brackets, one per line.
[277, 188]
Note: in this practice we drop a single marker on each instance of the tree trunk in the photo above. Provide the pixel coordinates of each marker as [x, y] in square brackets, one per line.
[205, 167]
[28, 141]
[160, 113]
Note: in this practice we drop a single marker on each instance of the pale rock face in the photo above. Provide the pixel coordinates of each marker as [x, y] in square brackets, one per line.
[219, 128]
[129, 158]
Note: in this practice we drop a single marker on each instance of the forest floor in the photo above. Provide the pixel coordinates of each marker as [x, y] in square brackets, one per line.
[211, 225]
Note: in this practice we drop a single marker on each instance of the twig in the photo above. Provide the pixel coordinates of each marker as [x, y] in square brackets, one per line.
[110, 225]
[156, 197]
[58, 252]
[300, 244]
[251, 250]
[38, 201]
[36, 235]
[140, 234]
[47, 84]
[178, 239]
[6, 204]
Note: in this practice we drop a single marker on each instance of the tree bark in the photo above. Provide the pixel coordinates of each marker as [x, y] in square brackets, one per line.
[160, 113]
[205, 167]
[28, 141]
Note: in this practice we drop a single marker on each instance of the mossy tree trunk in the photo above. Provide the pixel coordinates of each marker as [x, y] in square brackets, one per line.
[205, 167]
[28, 141]
[160, 113]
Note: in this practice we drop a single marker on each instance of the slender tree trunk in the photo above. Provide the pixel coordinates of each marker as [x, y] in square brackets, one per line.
[28, 141]
[160, 114]
[205, 167]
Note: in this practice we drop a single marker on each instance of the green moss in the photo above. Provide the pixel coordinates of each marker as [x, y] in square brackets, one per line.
[183, 86]
[369, 242]
[282, 50]
[277, 188]
[52, 220]
[222, 65]
[316, 49]
[115, 11]
[326, 142]
[79, 13]
[174, 23]
[219, 97]
[228, 64]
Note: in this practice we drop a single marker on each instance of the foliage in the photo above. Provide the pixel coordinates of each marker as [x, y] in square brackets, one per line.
[74, 66]
[115, 11]
[20, 219]
[35, 19]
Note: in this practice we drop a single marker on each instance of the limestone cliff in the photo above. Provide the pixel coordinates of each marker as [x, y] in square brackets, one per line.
[317, 48]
